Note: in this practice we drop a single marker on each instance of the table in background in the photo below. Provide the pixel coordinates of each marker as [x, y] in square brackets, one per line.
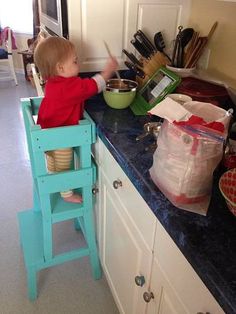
[28, 58]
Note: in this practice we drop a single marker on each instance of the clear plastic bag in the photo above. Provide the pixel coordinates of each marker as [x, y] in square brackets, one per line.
[186, 157]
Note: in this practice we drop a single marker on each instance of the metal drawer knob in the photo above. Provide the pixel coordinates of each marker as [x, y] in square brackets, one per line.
[117, 183]
[139, 280]
[95, 190]
[148, 296]
[203, 313]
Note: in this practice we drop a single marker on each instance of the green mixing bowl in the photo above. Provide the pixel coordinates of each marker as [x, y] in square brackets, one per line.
[119, 95]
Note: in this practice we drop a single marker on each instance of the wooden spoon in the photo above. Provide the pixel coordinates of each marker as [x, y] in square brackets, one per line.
[200, 45]
[121, 84]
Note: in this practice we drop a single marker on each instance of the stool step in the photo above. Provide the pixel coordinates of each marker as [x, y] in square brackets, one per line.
[63, 210]
[31, 236]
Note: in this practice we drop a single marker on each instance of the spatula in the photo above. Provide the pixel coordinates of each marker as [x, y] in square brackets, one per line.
[160, 43]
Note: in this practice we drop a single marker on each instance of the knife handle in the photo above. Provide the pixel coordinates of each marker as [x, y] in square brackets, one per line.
[135, 60]
[146, 40]
[132, 57]
[144, 44]
[140, 49]
[137, 71]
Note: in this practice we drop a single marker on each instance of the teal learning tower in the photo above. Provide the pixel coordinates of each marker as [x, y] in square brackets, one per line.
[36, 224]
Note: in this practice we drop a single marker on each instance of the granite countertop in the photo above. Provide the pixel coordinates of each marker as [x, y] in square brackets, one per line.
[208, 242]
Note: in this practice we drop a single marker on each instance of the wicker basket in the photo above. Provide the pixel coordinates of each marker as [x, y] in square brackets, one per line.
[227, 185]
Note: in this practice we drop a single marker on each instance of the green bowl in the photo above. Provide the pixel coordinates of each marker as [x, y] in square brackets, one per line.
[119, 95]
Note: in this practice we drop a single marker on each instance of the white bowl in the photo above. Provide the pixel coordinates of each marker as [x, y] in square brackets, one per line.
[182, 72]
[180, 98]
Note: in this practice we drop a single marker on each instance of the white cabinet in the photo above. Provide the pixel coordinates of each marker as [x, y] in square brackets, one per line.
[175, 286]
[133, 243]
[126, 234]
[154, 16]
[164, 298]
[91, 22]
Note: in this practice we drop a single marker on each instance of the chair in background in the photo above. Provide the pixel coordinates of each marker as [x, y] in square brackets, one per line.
[37, 80]
[6, 56]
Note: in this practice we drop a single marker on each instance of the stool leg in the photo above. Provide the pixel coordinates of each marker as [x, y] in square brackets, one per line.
[90, 234]
[47, 239]
[47, 227]
[36, 200]
[77, 224]
[32, 282]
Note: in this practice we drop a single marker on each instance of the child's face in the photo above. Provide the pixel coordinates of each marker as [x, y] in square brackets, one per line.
[70, 66]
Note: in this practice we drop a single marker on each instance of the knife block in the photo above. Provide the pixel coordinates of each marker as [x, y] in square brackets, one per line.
[151, 65]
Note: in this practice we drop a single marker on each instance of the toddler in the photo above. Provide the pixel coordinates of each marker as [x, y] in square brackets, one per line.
[65, 93]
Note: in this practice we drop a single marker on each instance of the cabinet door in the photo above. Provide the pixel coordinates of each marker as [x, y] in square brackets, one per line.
[165, 300]
[91, 22]
[175, 285]
[124, 254]
[126, 234]
[153, 16]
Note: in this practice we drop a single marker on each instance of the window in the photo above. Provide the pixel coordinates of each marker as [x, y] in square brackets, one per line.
[18, 15]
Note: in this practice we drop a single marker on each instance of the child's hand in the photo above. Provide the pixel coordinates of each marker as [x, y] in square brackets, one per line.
[112, 64]
[110, 68]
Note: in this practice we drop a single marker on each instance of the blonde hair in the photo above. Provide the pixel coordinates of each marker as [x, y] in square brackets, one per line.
[51, 51]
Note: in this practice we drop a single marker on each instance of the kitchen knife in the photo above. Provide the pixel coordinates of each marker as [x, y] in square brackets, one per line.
[142, 42]
[132, 58]
[136, 70]
[140, 48]
[146, 41]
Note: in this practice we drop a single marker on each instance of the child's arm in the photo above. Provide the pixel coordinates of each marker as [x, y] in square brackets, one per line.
[110, 68]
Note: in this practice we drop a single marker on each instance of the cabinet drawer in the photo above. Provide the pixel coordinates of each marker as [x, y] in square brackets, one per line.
[182, 277]
[135, 205]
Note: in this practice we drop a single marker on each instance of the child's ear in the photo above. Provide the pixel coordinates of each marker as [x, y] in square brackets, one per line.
[59, 68]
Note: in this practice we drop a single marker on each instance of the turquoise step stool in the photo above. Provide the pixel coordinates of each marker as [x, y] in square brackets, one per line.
[36, 224]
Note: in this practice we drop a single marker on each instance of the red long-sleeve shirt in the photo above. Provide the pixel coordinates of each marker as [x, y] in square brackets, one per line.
[63, 103]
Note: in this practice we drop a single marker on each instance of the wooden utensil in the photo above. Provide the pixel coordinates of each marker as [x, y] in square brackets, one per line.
[185, 37]
[212, 30]
[194, 53]
[205, 41]
[190, 47]
[121, 84]
[198, 49]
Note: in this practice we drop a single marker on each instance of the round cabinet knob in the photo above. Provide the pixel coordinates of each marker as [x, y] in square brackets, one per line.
[139, 280]
[117, 183]
[95, 190]
[148, 296]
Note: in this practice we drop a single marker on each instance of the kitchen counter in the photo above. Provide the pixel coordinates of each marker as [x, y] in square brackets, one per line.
[207, 242]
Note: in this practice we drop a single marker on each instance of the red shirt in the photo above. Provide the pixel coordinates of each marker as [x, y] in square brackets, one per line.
[63, 103]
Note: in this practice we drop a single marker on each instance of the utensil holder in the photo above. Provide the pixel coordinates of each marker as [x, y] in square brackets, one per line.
[150, 66]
